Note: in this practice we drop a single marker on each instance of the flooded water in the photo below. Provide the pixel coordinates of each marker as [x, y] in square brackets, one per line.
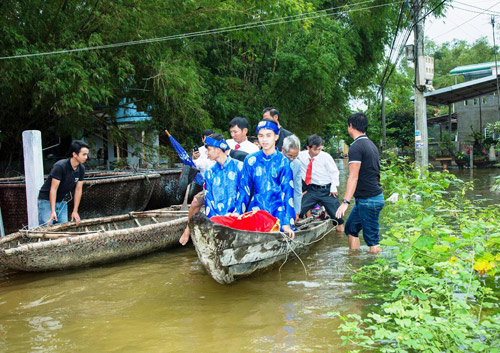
[166, 302]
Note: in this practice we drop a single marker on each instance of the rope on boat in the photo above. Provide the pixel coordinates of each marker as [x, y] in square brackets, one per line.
[288, 240]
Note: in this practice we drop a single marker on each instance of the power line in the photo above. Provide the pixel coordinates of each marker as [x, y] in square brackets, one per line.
[475, 7]
[251, 25]
[470, 19]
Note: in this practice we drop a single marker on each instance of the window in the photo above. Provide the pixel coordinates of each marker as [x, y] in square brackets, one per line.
[484, 100]
[475, 101]
[465, 103]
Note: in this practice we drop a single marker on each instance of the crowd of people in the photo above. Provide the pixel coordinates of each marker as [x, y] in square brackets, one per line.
[274, 175]
[270, 174]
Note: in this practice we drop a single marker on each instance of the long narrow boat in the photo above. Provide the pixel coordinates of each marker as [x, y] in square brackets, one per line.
[228, 254]
[104, 194]
[93, 241]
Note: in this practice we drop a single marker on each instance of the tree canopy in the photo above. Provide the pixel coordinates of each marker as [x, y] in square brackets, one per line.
[308, 58]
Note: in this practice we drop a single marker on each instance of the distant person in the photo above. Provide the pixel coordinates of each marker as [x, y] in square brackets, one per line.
[274, 114]
[267, 180]
[321, 178]
[238, 128]
[65, 176]
[200, 157]
[364, 184]
[291, 149]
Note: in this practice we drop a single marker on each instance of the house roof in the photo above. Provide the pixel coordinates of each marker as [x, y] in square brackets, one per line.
[471, 68]
[462, 91]
[130, 114]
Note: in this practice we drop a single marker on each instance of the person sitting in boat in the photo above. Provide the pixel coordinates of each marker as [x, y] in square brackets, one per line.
[267, 180]
[321, 178]
[65, 176]
[291, 149]
[221, 182]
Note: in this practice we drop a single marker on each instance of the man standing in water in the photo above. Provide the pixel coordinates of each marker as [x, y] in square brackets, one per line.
[267, 180]
[364, 184]
[66, 175]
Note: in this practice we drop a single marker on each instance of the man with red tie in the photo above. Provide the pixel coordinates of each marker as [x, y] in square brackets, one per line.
[238, 128]
[321, 178]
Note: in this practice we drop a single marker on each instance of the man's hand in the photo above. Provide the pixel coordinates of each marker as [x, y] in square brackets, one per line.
[75, 217]
[287, 229]
[334, 193]
[341, 210]
[53, 217]
[196, 155]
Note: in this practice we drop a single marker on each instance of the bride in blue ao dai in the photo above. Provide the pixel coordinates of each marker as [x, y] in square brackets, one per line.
[269, 180]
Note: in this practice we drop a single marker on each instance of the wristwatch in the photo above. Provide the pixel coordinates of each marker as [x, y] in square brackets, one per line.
[346, 201]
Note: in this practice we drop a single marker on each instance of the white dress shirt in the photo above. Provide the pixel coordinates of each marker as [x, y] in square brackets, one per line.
[202, 162]
[324, 169]
[245, 146]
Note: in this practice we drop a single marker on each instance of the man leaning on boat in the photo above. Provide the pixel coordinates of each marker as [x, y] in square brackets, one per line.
[65, 176]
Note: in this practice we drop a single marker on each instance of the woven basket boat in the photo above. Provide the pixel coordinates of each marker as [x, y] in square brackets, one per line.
[104, 194]
[93, 241]
[169, 190]
[228, 254]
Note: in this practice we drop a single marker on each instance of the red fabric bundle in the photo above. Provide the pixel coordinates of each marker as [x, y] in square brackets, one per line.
[257, 221]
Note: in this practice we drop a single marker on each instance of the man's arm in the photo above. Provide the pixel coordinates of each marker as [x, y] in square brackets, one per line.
[54, 185]
[78, 197]
[352, 181]
[334, 175]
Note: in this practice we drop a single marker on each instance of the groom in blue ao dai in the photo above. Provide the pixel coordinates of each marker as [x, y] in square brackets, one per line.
[267, 180]
[221, 181]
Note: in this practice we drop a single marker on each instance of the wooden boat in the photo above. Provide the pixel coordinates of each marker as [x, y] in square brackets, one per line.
[228, 254]
[104, 194]
[93, 241]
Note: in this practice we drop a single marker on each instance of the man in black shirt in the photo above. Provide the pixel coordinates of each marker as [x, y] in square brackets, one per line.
[364, 184]
[273, 114]
[66, 175]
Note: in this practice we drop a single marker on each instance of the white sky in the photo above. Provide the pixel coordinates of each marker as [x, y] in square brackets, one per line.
[468, 20]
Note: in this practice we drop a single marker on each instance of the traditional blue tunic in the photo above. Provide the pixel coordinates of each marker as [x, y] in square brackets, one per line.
[221, 185]
[269, 182]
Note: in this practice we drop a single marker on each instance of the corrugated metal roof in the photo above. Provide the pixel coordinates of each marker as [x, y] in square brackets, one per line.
[471, 68]
[462, 91]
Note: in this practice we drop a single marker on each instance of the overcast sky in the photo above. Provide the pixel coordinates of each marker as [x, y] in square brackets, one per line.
[468, 20]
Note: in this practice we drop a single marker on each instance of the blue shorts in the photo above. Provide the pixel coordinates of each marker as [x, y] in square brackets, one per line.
[364, 216]
[44, 212]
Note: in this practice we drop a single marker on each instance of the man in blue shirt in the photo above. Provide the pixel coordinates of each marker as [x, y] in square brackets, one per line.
[221, 182]
[267, 180]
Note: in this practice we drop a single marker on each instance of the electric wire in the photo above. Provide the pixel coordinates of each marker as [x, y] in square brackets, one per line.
[251, 25]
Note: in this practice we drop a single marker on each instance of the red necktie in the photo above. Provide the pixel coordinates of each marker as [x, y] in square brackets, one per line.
[237, 147]
[309, 171]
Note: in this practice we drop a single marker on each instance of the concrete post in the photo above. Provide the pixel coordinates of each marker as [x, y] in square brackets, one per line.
[33, 171]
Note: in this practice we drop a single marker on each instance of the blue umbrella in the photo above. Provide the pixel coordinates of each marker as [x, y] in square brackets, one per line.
[185, 157]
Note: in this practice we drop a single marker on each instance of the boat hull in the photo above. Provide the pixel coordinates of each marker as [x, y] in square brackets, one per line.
[95, 247]
[229, 254]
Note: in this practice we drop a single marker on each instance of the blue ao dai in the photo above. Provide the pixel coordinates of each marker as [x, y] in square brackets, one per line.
[268, 180]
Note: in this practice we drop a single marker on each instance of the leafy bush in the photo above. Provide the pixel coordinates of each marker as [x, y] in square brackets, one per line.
[439, 291]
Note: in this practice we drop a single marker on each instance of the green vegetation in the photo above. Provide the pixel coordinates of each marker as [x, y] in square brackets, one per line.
[308, 68]
[439, 290]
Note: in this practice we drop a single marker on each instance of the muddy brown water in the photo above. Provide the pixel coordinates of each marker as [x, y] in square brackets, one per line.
[166, 302]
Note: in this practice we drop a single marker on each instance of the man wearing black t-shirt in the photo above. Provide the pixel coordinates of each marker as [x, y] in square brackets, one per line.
[364, 184]
[66, 175]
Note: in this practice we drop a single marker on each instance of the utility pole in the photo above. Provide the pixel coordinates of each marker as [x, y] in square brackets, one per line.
[383, 117]
[496, 64]
[421, 138]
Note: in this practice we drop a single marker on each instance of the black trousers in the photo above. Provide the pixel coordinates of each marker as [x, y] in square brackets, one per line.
[315, 195]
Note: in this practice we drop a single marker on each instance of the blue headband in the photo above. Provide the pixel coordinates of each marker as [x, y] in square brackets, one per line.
[267, 124]
[210, 141]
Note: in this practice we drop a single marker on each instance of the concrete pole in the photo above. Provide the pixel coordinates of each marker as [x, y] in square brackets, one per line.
[33, 171]
[2, 230]
[421, 137]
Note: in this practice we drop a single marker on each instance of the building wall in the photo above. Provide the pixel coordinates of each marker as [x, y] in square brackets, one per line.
[468, 114]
